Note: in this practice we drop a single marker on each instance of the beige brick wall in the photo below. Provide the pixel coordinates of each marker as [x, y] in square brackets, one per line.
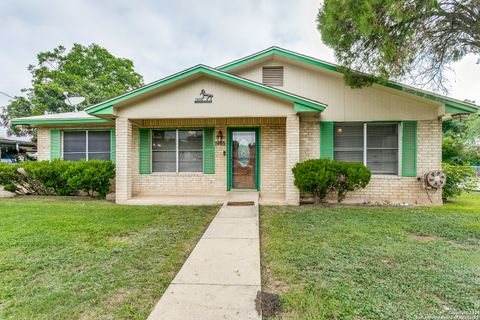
[272, 159]
[309, 138]
[43, 144]
[123, 159]
[303, 143]
[292, 195]
[395, 189]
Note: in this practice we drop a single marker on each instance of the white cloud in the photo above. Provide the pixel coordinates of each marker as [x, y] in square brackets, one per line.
[163, 37]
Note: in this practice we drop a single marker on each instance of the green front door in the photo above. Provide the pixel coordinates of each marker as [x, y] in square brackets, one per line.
[243, 158]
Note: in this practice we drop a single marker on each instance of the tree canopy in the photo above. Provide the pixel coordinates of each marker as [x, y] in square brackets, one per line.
[88, 71]
[390, 39]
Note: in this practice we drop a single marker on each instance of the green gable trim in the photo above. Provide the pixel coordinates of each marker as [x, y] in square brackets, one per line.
[464, 106]
[102, 107]
[280, 52]
[55, 144]
[453, 108]
[58, 121]
[298, 107]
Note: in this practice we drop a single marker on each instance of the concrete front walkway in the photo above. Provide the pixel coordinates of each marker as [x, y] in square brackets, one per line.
[221, 277]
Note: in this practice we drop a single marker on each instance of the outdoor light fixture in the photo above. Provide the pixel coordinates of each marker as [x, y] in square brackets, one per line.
[219, 139]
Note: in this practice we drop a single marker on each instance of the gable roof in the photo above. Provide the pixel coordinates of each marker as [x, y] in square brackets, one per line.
[300, 103]
[451, 105]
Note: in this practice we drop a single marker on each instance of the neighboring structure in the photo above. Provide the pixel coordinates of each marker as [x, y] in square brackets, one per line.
[244, 125]
[13, 150]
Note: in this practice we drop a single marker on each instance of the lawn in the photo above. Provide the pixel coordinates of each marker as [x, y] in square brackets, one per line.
[88, 259]
[341, 262]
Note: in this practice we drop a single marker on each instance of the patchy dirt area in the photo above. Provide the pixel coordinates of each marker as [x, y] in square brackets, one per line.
[269, 303]
[419, 237]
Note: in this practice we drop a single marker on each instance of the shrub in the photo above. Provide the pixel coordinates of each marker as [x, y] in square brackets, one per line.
[350, 177]
[459, 179]
[315, 176]
[321, 176]
[91, 176]
[9, 176]
[52, 174]
[58, 177]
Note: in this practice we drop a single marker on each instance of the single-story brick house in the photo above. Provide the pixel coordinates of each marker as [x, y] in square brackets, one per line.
[245, 124]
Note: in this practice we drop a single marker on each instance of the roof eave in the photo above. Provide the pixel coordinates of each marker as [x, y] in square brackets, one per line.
[466, 107]
[30, 122]
[106, 107]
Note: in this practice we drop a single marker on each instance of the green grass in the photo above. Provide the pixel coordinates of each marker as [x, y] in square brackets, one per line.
[81, 259]
[373, 262]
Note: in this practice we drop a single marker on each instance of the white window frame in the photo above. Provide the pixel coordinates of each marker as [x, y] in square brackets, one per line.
[365, 148]
[86, 142]
[177, 149]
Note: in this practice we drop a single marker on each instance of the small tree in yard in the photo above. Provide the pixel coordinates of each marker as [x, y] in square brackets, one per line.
[459, 180]
[320, 176]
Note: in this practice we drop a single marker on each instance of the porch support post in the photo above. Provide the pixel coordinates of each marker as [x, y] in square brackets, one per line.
[292, 156]
[123, 160]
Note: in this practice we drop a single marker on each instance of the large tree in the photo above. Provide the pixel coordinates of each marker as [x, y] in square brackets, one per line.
[393, 39]
[88, 71]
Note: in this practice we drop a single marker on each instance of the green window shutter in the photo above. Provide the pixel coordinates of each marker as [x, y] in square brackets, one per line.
[209, 150]
[55, 144]
[144, 154]
[409, 148]
[326, 140]
[112, 145]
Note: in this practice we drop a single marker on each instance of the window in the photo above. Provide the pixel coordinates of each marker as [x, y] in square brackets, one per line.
[272, 76]
[177, 150]
[373, 144]
[87, 145]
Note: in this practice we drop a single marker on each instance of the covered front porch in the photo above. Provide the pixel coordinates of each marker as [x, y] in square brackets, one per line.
[236, 154]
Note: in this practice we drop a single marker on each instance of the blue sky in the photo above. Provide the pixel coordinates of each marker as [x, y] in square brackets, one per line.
[163, 37]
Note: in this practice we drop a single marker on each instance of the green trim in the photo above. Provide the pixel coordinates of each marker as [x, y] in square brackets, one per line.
[113, 145]
[257, 155]
[463, 106]
[409, 148]
[101, 107]
[281, 52]
[453, 108]
[144, 151]
[57, 121]
[209, 150]
[55, 144]
[298, 107]
[326, 140]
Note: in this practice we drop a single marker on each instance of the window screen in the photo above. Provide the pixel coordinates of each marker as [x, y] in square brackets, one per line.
[272, 76]
[98, 145]
[382, 148]
[190, 150]
[74, 145]
[348, 142]
[186, 155]
[87, 145]
[380, 152]
[164, 158]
